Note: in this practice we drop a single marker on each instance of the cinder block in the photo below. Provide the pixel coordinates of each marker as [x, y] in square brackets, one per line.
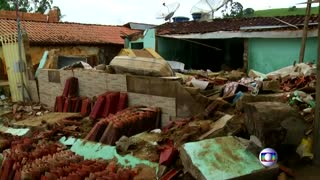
[116, 82]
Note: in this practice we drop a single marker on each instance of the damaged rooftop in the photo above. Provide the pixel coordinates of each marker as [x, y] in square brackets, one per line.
[237, 24]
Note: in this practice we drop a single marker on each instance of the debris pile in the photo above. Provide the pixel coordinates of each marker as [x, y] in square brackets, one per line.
[20, 111]
[207, 145]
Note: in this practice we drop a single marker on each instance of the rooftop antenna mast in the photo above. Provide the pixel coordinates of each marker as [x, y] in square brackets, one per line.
[168, 12]
[208, 6]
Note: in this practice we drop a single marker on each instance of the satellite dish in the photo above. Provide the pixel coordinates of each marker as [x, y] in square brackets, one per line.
[208, 6]
[168, 11]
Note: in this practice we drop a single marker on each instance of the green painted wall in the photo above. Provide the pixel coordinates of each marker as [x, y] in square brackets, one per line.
[267, 55]
[149, 40]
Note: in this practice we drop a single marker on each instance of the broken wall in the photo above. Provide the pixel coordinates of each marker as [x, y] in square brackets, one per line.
[104, 53]
[169, 95]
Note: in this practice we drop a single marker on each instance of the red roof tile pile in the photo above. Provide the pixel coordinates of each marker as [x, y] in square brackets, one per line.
[231, 24]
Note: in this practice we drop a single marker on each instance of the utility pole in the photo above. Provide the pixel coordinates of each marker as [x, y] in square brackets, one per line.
[20, 62]
[305, 31]
[316, 129]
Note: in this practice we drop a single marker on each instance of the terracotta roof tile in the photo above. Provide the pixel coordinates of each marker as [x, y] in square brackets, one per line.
[67, 33]
[228, 24]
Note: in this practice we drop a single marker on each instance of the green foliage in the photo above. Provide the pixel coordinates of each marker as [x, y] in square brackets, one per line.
[42, 5]
[293, 8]
[248, 12]
[4, 5]
[284, 12]
[233, 9]
[39, 6]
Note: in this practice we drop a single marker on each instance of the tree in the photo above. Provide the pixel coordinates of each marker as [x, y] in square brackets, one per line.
[293, 8]
[60, 15]
[235, 10]
[39, 6]
[248, 12]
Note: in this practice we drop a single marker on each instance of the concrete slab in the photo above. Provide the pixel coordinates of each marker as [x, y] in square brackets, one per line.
[219, 158]
[274, 123]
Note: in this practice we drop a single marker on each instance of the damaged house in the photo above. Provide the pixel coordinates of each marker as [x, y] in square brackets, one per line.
[261, 43]
[71, 41]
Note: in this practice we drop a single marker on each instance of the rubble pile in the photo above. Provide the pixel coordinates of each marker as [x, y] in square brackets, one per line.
[243, 115]
[20, 111]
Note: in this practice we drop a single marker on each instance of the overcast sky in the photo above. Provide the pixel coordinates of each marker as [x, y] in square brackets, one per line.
[118, 12]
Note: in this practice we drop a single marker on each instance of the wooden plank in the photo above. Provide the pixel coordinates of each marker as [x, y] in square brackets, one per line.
[49, 118]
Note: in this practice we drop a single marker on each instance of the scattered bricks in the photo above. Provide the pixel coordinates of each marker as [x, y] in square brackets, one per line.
[97, 108]
[67, 105]
[114, 101]
[96, 132]
[6, 169]
[128, 122]
[273, 85]
[123, 101]
[85, 106]
[73, 103]
[71, 88]
[77, 107]
[66, 88]
[111, 104]
[74, 88]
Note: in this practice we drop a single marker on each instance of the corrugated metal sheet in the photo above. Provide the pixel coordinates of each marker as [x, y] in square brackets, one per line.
[11, 55]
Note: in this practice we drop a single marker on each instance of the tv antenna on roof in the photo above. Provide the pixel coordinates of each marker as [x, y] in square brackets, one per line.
[168, 11]
[208, 6]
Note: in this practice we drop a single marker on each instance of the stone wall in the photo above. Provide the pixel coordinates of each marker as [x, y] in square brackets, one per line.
[169, 95]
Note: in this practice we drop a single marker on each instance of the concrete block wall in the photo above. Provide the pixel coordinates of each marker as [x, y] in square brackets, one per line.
[93, 83]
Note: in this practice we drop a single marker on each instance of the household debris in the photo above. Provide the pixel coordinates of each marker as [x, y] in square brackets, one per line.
[141, 66]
